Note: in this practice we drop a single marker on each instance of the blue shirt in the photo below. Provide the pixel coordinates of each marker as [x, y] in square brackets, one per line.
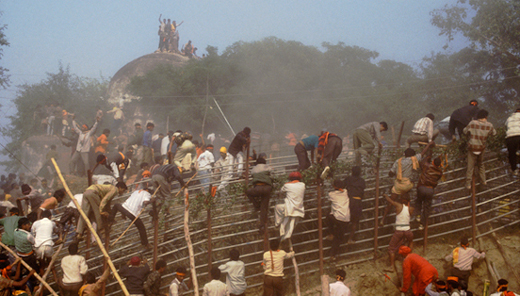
[147, 138]
[311, 142]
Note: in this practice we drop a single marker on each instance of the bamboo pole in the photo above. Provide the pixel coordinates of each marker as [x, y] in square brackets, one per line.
[29, 268]
[399, 136]
[436, 145]
[40, 288]
[107, 246]
[210, 264]
[320, 226]
[425, 240]
[190, 246]
[296, 272]
[89, 225]
[137, 217]
[247, 166]
[376, 207]
[473, 209]
[155, 231]
[324, 285]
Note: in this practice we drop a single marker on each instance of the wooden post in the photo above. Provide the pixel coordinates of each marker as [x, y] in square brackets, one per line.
[49, 268]
[425, 240]
[296, 272]
[247, 166]
[155, 231]
[87, 244]
[399, 136]
[107, 245]
[89, 225]
[190, 246]
[266, 238]
[473, 209]
[20, 207]
[393, 135]
[210, 264]
[376, 212]
[320, 226]
[89, 177]
[29, 268]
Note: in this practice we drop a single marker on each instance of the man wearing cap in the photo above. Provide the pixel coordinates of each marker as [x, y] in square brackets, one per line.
[117, 162]
[287, 214]
[461, 117]
[237, 146]
[513, 139]
[309, 143]
[83, 147]
[135, 271]
[205, 163]
[502, 289]
[421, 269]
[423, 131]
[462, 258]
[224, 168]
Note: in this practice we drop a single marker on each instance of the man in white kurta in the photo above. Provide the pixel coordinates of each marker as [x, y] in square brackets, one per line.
[287, 214]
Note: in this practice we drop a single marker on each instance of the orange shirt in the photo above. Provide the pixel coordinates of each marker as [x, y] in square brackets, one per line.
[102, 144]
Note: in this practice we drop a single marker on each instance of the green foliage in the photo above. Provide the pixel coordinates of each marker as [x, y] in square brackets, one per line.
[4, 78]
[490, 62]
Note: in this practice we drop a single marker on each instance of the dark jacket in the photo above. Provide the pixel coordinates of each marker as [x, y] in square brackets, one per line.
[238, 143]
[135, 277]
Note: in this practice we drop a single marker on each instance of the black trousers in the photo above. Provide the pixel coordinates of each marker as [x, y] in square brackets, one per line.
[259, 195]
[303, 159]
[332, 151]
[138, 223]
[513, 143]
[337, 229]
[424, 202]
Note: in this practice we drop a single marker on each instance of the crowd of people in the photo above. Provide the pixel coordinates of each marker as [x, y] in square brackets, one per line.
[163, 162]
[169, 39]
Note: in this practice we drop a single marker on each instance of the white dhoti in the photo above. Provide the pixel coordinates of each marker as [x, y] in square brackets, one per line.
[286, 223]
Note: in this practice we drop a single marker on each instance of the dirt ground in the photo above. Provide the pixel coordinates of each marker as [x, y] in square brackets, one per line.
[366, 278]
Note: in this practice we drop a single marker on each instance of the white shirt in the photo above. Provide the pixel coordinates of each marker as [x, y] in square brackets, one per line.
[42, 232]
[273, 266]
[402, 220]
[215, 288]
[205, 160]
[164, 145]
[500, 294]
[226, 167]
[134, 203]
[294, 199]
[174, 287]
[73, 266]
[235, 278]
[79, 198]
[340, 205]
[339, 289]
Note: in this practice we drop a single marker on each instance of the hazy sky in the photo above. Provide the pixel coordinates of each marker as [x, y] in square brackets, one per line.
[97, 38]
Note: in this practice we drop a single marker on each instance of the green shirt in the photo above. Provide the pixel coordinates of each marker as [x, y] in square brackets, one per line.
[23, 241]
[10, 224]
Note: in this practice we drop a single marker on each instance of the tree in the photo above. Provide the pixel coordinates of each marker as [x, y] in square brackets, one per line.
[491, 26]
[4, 78]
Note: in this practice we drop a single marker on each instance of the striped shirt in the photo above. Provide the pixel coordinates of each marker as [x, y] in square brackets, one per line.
[465, 258]
[134, 203]
[478, 132]
[424, 126]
